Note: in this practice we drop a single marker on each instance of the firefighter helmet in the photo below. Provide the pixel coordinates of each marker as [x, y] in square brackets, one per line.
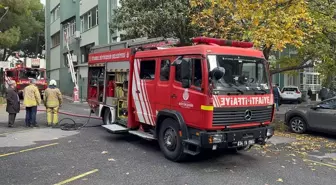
[53, 82]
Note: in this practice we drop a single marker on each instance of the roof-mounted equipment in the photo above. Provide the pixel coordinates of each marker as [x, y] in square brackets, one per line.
[221, 42]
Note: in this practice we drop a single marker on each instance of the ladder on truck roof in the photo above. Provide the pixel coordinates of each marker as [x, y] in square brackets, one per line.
[137, 43]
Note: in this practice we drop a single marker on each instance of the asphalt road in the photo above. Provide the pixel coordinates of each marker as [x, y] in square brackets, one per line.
[94, 156]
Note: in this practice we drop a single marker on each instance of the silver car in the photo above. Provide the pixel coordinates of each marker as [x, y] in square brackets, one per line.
[317, 117]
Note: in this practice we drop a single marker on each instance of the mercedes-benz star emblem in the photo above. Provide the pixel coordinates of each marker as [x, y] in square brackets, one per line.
[248, 115]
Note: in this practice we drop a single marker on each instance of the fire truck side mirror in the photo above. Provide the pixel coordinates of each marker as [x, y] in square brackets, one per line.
[218, 73]
[186, 73]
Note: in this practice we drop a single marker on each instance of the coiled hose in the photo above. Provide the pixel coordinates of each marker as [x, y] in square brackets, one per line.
[70, 124]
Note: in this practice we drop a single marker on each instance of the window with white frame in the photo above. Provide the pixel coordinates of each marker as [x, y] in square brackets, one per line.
[82, 24]
[69, 29]
[89, 19]
[97, 16]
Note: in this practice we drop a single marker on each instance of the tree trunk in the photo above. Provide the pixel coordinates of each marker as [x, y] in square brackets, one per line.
[4, 55]
[267, 51]
[37, 44]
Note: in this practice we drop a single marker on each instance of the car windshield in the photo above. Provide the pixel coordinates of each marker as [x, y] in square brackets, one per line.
[32, 73]
[243, 74]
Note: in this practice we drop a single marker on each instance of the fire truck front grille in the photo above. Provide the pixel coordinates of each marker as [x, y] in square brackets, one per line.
[231, 116]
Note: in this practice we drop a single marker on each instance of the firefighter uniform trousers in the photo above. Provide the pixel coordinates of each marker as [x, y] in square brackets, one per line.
[52, 115]
[53, 99]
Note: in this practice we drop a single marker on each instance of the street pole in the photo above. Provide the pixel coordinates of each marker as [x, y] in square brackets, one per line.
[6, 8]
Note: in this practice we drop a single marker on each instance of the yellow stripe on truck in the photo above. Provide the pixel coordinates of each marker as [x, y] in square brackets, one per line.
[207, 107]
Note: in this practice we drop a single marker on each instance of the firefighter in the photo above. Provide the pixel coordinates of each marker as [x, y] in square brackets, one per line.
[31, 100]
[52, 101]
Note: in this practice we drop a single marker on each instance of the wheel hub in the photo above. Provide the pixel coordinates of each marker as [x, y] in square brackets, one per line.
[297, 125]
[170, 139]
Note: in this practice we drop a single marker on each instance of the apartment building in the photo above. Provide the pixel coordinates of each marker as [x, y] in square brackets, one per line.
[304, 78]
[81, 24]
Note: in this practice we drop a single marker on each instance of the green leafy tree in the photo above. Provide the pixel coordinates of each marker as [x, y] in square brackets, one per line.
[34, 44]
[154, 18]
[20, 23]
[320, 47]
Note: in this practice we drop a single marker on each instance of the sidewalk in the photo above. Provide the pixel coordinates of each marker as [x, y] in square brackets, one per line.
[69, 99]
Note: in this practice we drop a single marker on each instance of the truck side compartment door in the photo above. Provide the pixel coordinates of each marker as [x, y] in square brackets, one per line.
[144, 89]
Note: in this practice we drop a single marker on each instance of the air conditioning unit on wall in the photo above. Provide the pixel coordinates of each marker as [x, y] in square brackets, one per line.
[77, 35]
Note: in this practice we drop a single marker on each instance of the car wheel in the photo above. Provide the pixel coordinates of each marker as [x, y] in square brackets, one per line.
[107, 119]
[298, 125]
[170, 141]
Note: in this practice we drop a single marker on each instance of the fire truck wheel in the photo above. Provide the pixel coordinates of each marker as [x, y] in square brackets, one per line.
[107, 116]
[169, 140]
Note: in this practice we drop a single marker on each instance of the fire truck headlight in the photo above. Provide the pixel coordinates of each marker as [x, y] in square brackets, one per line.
[270, 132]
[216, 138]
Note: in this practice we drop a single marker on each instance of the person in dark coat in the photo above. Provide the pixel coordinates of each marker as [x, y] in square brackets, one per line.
[13, 103]
[323, 93]
[277, 96]
[310, 93]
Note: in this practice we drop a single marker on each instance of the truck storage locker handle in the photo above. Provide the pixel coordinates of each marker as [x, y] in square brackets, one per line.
[173, 95]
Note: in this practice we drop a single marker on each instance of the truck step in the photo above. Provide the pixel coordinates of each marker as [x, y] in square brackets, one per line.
[142, 134]
[192, 153]
[192, 142]
[116, 129]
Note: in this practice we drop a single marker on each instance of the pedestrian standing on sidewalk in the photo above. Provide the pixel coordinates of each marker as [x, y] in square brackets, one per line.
[32, 98]
[13, 103]
[310, 94]
[323, 94]
[52, 102]
[276, 94]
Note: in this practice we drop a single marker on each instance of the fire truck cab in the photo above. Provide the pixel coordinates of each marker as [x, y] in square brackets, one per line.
[23, 72]
[214, 94]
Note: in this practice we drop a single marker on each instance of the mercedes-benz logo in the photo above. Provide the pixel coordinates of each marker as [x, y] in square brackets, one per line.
[248, 115]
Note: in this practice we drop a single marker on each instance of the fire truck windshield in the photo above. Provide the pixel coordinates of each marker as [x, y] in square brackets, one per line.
[239, 74]
[32, 73]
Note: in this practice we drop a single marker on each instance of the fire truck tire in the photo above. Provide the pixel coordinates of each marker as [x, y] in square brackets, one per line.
[107, 116]
[169, 140]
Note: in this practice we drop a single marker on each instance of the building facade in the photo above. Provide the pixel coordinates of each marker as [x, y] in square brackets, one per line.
[304, 79]
[80, 24]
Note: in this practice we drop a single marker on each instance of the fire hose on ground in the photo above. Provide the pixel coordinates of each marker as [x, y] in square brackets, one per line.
[70, 124]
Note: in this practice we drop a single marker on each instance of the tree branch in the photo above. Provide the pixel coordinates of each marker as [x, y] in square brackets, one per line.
[275, 71]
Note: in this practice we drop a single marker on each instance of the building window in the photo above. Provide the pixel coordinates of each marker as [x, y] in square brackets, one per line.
[96, 16]
[55, 40]
[147, 69]
[82, 24]
[69, 29]
[90, 19]
[55, 13]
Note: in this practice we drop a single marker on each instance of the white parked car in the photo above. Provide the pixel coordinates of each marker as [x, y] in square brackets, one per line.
[291, 94]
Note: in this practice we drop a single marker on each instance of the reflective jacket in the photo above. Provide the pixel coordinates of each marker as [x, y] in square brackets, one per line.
[52, 97]
[31, 96]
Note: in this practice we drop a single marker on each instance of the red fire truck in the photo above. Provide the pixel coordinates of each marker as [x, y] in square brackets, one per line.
[24, 71]
[212, 95]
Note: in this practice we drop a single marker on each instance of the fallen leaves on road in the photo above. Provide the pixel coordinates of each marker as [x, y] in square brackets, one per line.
[306, 143]
[279, 180]
[111, 159]
[104, 152]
